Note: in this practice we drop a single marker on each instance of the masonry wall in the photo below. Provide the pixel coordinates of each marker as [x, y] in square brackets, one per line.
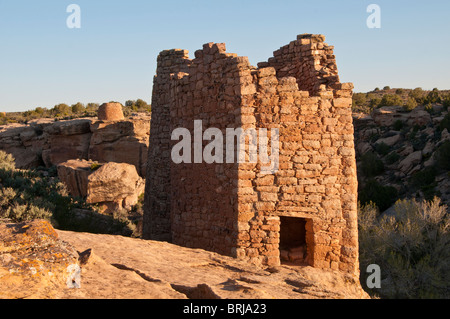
[235, 209]
[156, 223]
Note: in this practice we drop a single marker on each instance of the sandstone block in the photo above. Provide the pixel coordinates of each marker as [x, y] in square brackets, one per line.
[110, 112]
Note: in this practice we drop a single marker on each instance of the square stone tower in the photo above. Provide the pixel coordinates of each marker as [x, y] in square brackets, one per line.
[302, 212]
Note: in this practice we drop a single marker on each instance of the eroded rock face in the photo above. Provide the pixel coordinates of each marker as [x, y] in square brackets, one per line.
[33, 258]
[113, 186]
[67, 140]
[110, 112]
[121, 142]
[49, 143]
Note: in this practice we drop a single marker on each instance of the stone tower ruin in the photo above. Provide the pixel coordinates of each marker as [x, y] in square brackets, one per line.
[306, 211]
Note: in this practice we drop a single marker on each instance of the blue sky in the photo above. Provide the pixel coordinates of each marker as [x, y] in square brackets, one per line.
[113, 55]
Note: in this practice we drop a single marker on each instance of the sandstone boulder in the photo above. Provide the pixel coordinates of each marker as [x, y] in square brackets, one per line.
[390, 141]
[110, 112]
[113, 186]
[411, 161]
[388, 115]
[74, 174]
[116, 183]
[445, 136]
[419, 117]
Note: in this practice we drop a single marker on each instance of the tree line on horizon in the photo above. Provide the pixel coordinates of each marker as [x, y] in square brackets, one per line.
[409, 99]
[65, 111]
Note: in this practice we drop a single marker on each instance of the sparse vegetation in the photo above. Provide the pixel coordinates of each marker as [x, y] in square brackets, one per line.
[383, 196]
[409, 99]
[371, 165]
[382, 148]
[64, 111]
[412, 247]
[391, 100]
[26, 195]
[410, 104]
[95, 166]
[443, 156]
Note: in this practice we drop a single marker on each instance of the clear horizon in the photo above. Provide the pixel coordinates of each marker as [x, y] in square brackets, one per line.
[113, 55]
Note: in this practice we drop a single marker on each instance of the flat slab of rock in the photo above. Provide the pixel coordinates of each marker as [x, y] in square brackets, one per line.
[39, 262]
[123, 266]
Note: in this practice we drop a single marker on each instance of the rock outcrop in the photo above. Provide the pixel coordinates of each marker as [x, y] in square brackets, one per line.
[121, 142]
[34, 262]
[115, 267]
[67, 140]
[388, 115]
[50, 143]
[406, 144]
[113, 186]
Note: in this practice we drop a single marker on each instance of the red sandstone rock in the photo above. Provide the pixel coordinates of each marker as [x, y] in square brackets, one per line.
[113, 186]
[50, 143]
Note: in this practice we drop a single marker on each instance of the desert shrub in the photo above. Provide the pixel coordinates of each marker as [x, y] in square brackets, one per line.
[371, 165]
[20, 213]
[417, 94]
[95, 166]
[386, 88]
[443, 156]
[392, 158]
[398, 125]
[429, 108]
[418, 141]
[383, 196]
[7, 195]
[359, 98]
[424, 177]
[382, 148]
[61, 110]
[375, 102]
[78, 108]
[411, 246]
[410, 104]
[425, 180]
[391, 100]
[433, 97]
[446, 101]
[399, 91]
[445, 123]
[7, 161]
[359, 103]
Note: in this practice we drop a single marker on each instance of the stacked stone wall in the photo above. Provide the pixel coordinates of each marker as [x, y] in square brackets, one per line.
[235, 208]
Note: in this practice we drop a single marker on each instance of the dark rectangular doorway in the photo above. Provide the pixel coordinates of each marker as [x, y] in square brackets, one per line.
[293, 243]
